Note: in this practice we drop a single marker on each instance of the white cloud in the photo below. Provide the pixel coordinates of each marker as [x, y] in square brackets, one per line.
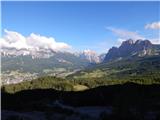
[13, 39]
[155, 40]
[154, 25]
[125, 34]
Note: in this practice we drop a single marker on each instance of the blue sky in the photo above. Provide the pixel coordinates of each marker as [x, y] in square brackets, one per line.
[83, 25]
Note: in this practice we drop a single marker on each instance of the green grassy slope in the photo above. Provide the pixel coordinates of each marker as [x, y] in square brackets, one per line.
[140, 70]
[144, 70]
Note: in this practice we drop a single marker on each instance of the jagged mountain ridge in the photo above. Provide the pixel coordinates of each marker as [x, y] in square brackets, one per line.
[21, 59]
[26, 64]
[36, 53]
[90, 55]
[131, 48]
[18, 64]
[26, 67]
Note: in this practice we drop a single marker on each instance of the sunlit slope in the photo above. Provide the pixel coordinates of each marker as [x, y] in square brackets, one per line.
[143, 70]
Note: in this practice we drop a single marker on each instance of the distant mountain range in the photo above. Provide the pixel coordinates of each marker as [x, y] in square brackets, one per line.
[136, 61]
[19, 64]
[128, 48]
[35, 61]
[111, 79]
[89, 55]
[131, 48]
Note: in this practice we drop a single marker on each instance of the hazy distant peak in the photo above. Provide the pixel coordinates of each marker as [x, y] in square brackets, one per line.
[88, 51]
[90, 55]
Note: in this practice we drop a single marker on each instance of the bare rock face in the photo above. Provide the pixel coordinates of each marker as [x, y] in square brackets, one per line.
[90, 55]
[129, 48]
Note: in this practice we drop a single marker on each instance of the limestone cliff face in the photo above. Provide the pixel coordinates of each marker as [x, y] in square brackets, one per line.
[128, 48]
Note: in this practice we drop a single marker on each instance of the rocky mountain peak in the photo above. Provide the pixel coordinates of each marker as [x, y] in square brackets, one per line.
[130, 47]
[90, 55]
[143, 42]
[128, 42]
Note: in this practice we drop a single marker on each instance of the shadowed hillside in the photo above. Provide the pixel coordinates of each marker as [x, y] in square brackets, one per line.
[127, 100]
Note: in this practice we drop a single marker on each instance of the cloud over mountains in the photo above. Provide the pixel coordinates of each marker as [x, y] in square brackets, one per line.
[154, 25]
[15, 40]
[125, 34]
